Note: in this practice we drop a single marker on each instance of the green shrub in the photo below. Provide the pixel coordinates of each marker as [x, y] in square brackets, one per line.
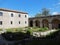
[14, 30]
[35, 27]
[27, 27]
[0, 29]
[43, 29]
[29, 31]
[18, 29]
[9, 30]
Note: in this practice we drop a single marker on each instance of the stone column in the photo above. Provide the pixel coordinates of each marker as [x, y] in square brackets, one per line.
[41, 25]
[34, 23]
[50, 25]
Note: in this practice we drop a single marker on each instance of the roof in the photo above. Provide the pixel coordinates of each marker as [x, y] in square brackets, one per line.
[2, 9]
[45, 16]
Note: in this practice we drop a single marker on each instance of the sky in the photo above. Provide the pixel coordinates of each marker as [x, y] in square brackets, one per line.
[32, 7]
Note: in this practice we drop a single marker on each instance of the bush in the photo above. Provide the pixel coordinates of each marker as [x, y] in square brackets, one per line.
[43, 29]
[29, 32]
[27, 27]
[14, 30]
[9, 30]
[0, 29]
[18, 29]
[35, 27]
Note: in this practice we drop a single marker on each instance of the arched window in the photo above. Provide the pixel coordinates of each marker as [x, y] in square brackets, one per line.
[25, 22]
[0, 22]
[25, 16]
[19, 22]
[1, 14]
[19, 15]
[11, 14]
[11, 22]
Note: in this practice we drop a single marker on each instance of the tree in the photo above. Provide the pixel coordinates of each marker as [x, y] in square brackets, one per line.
[45, 11]
[38, 15]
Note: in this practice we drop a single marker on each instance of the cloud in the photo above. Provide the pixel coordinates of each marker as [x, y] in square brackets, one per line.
[55, 13]
[57, 5]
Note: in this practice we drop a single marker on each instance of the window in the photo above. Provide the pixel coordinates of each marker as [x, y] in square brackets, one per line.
[0, 22]
[25, 22]
[19, 15]
[25, 15]
[12, 15]
[11, 22]
[19, 22]
[1, 14]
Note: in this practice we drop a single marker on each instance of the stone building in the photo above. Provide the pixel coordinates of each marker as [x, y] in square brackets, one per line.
[52, 21]
[13, 19]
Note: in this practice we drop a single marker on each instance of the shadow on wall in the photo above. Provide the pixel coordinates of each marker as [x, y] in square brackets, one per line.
[26, 39]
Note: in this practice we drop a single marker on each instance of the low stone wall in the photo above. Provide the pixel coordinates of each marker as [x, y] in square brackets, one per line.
[43, 34]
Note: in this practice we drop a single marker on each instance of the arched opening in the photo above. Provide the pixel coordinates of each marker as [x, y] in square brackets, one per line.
[55, 23]
[31, 23]
[45, 23]
[37, 23]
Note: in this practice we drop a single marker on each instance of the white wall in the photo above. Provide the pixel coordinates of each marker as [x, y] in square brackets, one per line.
[6, 18]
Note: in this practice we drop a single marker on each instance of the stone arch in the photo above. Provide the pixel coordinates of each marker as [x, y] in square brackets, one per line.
[37, 23]
[31, 23]
[55, 23]
[45, 23]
